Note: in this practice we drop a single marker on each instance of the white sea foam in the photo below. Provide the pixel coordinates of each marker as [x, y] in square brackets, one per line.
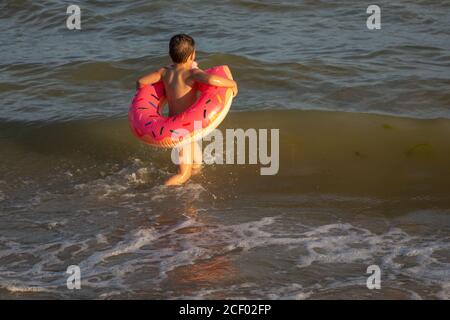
[101, 238]
[22, 289]
[342, 243]
[120, 182]
[165, 249]
[140, 238]
[444, 293]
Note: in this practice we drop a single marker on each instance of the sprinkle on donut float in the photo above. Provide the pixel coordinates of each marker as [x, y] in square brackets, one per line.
[149, 125]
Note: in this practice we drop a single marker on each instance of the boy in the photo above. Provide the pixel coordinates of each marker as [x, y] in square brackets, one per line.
[179, 81]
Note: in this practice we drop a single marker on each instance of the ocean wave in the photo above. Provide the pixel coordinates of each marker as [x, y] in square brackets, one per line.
[361, 151]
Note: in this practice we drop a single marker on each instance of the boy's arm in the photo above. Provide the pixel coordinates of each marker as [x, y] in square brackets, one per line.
[213, 80]
[150, 78]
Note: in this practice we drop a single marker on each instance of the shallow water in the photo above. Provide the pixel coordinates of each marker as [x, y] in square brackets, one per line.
[364, 119]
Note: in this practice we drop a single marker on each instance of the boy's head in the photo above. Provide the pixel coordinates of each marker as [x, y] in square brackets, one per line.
[182, 48]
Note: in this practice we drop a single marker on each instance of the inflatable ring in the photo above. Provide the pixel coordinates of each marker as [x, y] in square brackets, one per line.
[149, 125]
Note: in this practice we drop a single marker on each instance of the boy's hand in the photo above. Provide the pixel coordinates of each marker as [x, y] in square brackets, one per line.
[213, 80]
[150, 78]
[235, 90]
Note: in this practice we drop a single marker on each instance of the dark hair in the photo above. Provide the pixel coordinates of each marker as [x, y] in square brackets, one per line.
[181, 46]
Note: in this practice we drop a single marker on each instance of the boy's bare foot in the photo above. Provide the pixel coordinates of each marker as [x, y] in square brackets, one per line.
[180, 178]
[196, 169]
[175, 180]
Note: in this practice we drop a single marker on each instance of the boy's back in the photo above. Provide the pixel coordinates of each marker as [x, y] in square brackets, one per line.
[180, 89]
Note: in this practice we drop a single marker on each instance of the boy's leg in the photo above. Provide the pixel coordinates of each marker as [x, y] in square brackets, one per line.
[197, 157]
[185, 167]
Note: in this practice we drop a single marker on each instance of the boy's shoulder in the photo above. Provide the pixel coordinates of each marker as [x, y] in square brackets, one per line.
[196, 71]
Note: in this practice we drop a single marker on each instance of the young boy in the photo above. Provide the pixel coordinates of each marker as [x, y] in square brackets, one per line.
[179, 81]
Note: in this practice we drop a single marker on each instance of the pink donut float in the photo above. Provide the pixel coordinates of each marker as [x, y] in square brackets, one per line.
[149, 125]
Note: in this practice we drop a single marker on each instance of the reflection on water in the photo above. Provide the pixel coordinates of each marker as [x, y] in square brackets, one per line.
[214, 269]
